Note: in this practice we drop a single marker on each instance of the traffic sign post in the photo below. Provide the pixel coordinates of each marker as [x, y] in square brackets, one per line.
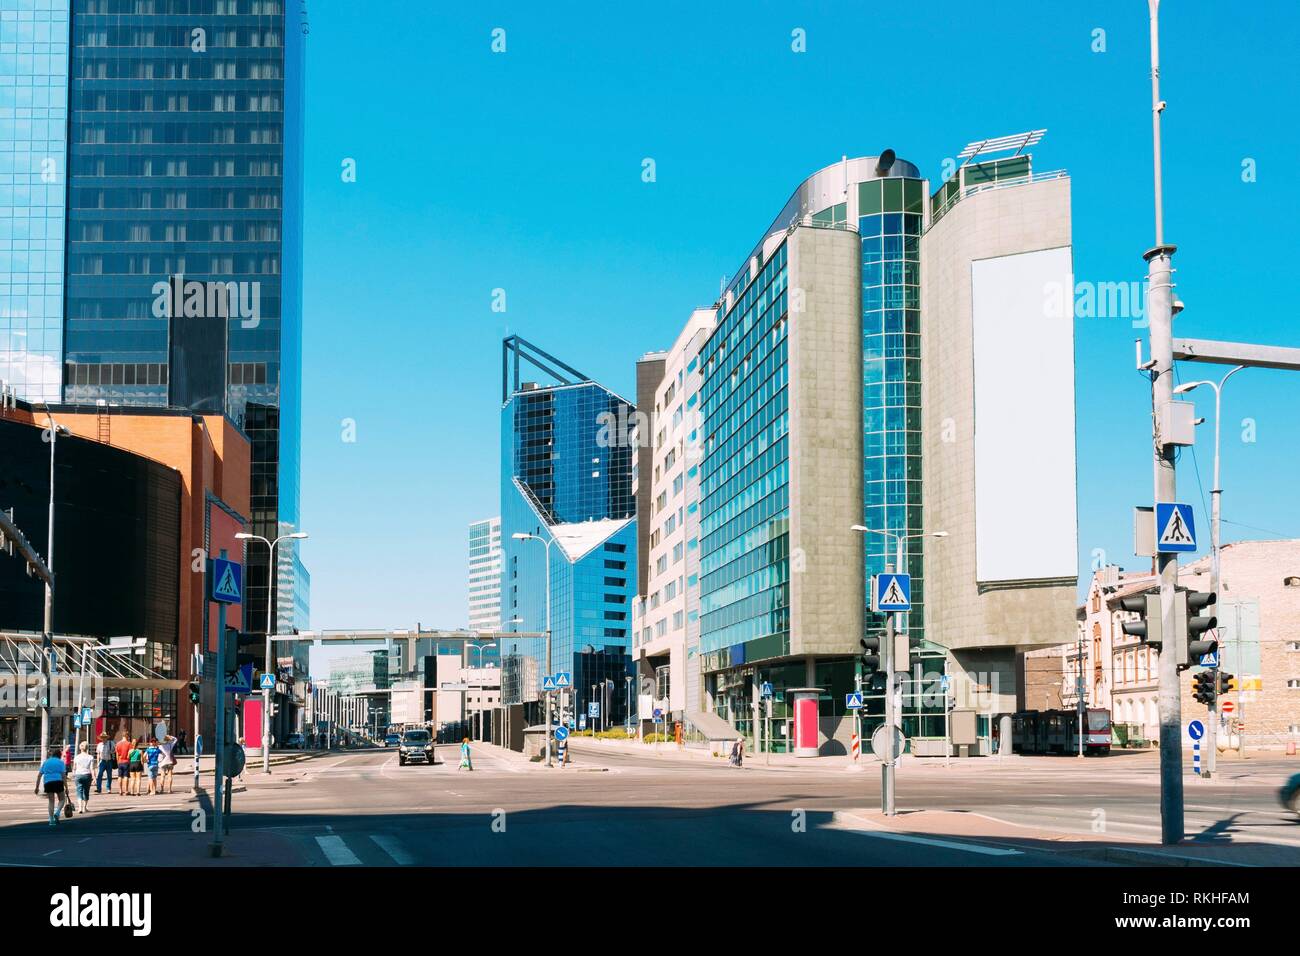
[267, 683]
[891, 592]
[1175, 528]
[224, 587]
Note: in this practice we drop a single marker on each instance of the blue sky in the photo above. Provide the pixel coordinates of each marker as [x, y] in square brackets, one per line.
[522, 171]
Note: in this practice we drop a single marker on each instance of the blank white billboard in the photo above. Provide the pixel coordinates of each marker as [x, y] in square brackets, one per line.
[1023, 328]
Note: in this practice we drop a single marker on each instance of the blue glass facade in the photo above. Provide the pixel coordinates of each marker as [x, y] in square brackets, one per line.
[890, 222]
[566, 476]
[745, 474]
[33, 181]
[185, 158]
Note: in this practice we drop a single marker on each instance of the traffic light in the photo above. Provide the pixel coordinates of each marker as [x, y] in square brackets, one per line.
[1203, 688]
[870, 654]
[1148, 628]
[1226, 683]
[194, 692]
[1192, 624]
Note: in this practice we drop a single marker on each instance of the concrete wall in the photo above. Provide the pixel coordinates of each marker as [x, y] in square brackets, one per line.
[960, 612]
[825, 395]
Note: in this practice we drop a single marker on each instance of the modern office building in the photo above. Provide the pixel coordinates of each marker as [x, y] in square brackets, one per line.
[151, 227]
[485, 575]
[33, 185]
[868, 367]
[566, 479]
[665, 642]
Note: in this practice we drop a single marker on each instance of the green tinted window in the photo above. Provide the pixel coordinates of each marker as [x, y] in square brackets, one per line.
[893, 195]
[913, 195]
[869, 197]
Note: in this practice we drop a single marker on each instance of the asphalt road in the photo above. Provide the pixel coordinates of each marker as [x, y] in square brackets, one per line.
[362, 809]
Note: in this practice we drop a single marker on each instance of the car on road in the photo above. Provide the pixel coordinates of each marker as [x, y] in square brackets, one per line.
[416, 745]
[295, 742]
[392, 740]
[1291, 794]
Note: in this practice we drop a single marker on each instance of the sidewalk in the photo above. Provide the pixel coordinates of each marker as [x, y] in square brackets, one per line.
[979, 829]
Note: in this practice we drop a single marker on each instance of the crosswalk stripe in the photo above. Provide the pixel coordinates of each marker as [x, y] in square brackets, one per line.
[394, 849]
[337, 852]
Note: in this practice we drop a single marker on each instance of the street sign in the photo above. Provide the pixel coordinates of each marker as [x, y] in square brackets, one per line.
[87, 714]
[225, 581]
[563, 679]
[1210, 660]
[582, 722]
[593, 709]
[76, 721]
[1227, 707]
[561, 732]
[766, 691]
[241, 682]
[548, 683]
[1196, 730]
[267, 682]
[658, 713]
[880, 741]
[1175, 528]
[891, 592]
[853, 701]
[944, 683]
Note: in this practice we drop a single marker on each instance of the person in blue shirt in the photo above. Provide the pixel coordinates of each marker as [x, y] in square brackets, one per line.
[152, 758]
[53, 774]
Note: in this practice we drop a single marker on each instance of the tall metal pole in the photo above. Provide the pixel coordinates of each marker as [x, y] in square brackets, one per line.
[1160, 315]
[47, 643]
[547, 543]
[218, 787]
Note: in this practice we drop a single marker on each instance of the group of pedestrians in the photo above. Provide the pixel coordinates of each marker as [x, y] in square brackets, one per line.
[135, 760]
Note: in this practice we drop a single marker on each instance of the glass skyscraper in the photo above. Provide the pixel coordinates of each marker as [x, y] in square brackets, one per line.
[566, 477]
[184, 165]
[33, 180]
[485, 575]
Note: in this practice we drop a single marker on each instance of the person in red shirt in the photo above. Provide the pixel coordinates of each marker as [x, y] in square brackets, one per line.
[122, 750]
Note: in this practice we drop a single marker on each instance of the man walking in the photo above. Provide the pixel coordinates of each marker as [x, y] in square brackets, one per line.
[107, 758]
[53, 775]
[168, 762]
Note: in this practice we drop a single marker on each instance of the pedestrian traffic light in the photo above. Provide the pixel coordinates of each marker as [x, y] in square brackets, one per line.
[1226, 683]
[870, 654]
[194, 692]
[1192, 624]
[1203, 688]
[1148, 626]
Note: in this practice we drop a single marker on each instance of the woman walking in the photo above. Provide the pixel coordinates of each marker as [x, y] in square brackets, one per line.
[83, 768]
[465, 763]
[52, 775]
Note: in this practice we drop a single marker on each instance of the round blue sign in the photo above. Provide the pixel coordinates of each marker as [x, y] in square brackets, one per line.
[1196, 730]
[561, 732]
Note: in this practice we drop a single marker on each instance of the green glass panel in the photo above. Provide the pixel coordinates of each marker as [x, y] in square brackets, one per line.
[913, 194]
[893, 195]
[869, 197]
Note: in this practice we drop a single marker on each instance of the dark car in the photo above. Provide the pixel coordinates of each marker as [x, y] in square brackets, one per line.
[295, 742]
[416, 746]
[392, 740]
[1291, 794]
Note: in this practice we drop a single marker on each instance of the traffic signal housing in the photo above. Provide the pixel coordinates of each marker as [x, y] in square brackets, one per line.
[870, 654]
[1193, 624]
[1203, 688]
[1148, 626]
[1226, 683]
[194, 692]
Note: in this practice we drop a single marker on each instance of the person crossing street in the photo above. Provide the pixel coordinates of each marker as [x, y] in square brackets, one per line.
[107, 759]
[83, 766]
[53, 775]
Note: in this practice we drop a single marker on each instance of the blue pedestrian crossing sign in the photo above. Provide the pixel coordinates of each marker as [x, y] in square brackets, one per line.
[268, 682]
[563, 680]
[891, 592]
[548, 683]
[766, 690]
[853, 701]
[1175, 528]
[225, 581]
[1210, 660]
[240, 682]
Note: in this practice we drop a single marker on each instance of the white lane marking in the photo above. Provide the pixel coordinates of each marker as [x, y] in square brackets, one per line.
[337, 852]
[393, 849]
[51, 853]
[855, 825]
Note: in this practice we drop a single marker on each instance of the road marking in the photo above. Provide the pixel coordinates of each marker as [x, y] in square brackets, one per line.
[337, 852]
[393, 849]
[51, 853]
[856, 825]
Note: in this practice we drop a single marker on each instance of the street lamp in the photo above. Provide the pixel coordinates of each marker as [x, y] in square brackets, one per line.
[53, 431]
[525, 536]
[478, 713]
[270, 583]
[1216, 493]
[888, 769]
